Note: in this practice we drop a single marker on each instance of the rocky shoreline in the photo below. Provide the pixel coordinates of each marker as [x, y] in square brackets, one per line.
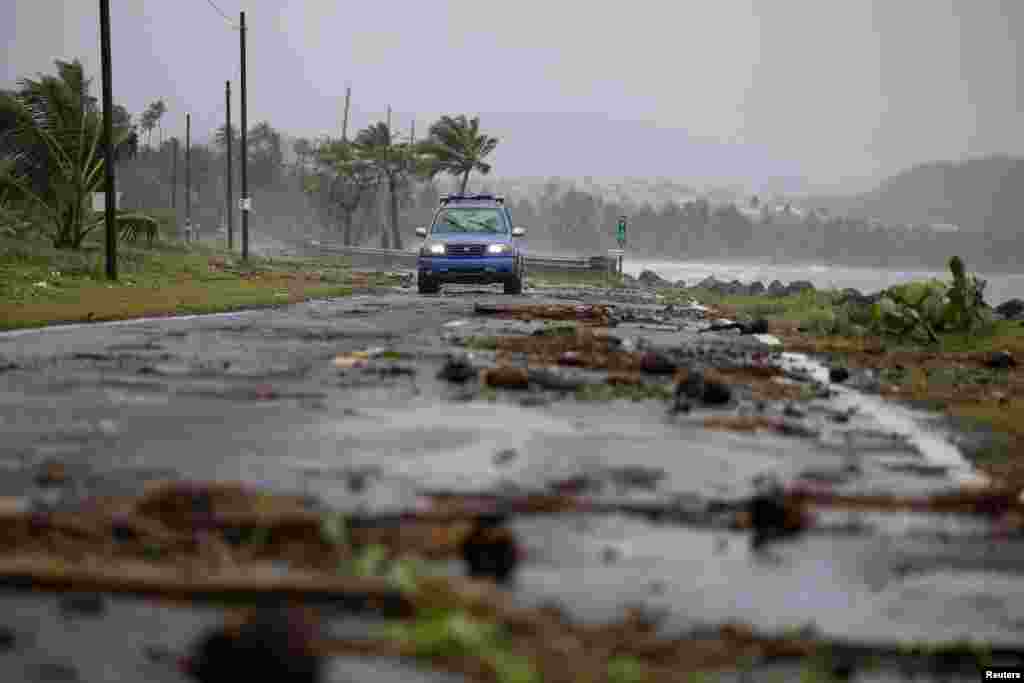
[1012, 309]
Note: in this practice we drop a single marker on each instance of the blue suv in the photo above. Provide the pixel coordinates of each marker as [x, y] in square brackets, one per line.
[471, 240]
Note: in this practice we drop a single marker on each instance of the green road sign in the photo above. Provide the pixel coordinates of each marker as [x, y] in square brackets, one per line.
[622, 230]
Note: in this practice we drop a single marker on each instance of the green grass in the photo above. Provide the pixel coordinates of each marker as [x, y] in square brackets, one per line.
[478, 343]
[40, 285]
[797, 307]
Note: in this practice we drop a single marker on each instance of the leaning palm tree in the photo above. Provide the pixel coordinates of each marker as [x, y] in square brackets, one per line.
[455, 146]
[394, 163]
[49, 148]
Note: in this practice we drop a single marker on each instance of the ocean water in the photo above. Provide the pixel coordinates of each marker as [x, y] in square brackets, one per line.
[1000, 286]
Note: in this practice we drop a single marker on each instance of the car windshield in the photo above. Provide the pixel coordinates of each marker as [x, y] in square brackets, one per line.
[470, 220]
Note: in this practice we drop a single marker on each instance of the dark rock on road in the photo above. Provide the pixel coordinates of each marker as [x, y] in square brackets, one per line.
[1001, 360]
[491, 552]
[457, 369]
[273, 645]
[838, 374]
[698, 387]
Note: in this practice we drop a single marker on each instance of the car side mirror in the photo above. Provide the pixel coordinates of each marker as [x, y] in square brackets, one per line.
[518, 232]
[422, 232]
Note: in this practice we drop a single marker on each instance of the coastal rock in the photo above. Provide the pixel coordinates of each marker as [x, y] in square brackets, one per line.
[1012, 309]
[649, 278]
[736, 288]
[854, 296]
[711, 283]
[798, 286]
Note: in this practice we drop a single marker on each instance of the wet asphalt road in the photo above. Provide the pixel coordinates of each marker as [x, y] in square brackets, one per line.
[255, 396]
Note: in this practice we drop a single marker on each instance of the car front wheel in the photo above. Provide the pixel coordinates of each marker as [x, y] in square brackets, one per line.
[428, 286]
[514, 286]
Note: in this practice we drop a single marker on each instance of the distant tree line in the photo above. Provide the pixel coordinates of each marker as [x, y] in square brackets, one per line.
[566, 219]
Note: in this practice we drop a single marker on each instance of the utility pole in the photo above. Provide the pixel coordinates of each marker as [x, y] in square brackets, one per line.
[245, 151]
[389, 118]
[174, 174]
[344, 121]
[230, 150]
[188, 176]
[412, 133]
[108, 133]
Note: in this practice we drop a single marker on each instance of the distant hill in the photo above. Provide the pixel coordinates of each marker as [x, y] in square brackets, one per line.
[985, 194]
[624, 191]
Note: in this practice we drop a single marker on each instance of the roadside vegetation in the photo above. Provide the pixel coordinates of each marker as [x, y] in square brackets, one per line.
[42, 285]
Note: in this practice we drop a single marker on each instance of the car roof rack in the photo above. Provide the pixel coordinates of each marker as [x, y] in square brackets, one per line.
[446, 198]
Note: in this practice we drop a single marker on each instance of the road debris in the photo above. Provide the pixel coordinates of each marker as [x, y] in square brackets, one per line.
[506, 377]
[556, 379]
[759, 326]
[267, 644]
[838, 375]
[703, 386]
[595, 314]
[51, 473]
[751, 423]
[491, 552]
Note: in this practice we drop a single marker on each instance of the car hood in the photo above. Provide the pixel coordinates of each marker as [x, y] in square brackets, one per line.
[471, 238]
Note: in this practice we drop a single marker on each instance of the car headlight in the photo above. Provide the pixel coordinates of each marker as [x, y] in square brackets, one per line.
[436, 248]
[498, 248]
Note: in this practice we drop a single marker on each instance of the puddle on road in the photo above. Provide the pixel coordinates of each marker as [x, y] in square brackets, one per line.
[453, 446]
[849, 586]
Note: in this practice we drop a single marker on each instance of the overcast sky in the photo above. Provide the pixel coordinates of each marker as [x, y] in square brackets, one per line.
[834, 91]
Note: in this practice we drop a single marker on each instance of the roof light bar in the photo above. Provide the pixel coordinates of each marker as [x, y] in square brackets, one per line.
[446, 198]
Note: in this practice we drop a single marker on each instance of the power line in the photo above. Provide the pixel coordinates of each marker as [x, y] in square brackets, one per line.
[223, 14]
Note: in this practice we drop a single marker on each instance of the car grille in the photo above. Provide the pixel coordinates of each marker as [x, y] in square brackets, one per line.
[466, 250]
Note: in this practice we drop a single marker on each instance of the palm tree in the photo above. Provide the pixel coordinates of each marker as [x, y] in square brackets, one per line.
[49, 148]
[147, 122]
[150, 120]
[341, 182]
[455, 146]
[394, 163]
[159, 109]
[303, 149]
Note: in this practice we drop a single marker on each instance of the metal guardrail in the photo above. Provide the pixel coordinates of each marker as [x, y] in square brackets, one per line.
[598, 263]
